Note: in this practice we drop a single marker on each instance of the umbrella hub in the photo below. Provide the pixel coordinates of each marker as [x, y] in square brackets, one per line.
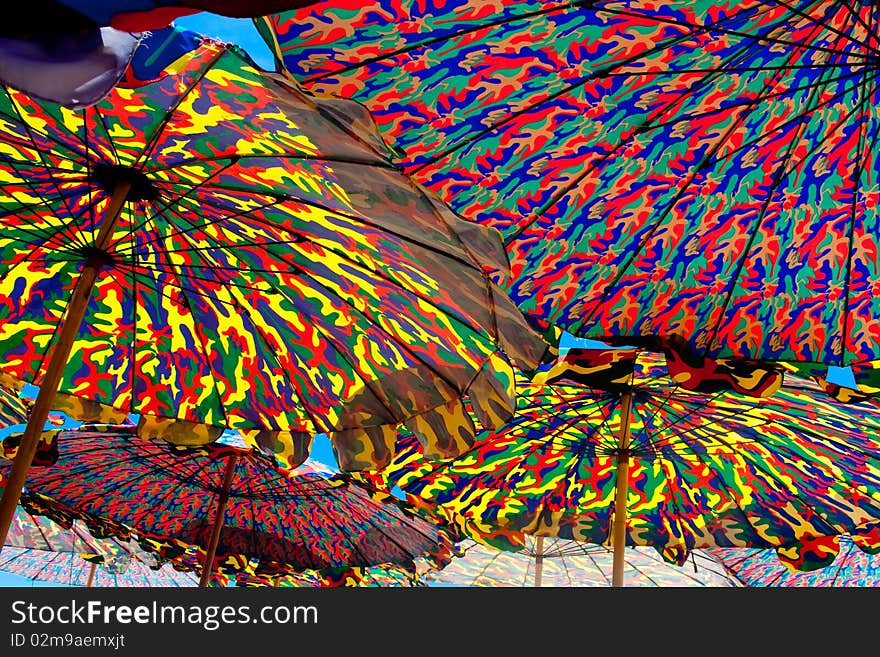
[108, 176]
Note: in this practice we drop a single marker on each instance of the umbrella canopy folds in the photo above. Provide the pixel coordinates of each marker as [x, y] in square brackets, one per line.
[703, 169]
[557, 562]
[40, 549]
[373, 577]
[626, 447]
[851, 567]
[222, 508]
[226, 250]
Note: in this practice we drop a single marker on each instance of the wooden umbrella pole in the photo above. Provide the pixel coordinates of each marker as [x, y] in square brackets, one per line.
[222, 498]
[539, 560]
[619, 527]
[76, 311]
[92, 570]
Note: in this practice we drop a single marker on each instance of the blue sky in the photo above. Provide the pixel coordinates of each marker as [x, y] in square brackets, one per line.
[240, 31]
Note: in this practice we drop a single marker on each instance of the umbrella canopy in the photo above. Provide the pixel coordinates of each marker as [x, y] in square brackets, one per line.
[851, 567]
[40, 549]
[87, 570]
[227, 250]
[706, 169]
[223, 505]
[619, 446]
[557, 562]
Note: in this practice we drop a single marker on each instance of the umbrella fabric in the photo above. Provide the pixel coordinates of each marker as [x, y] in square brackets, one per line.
[704, 169]
[13, 407]
[571, 564]
[851, 567]
[75, 570]
[165, 498]
[708, 466]
[41, 549]
[335, 577]
[270, 270]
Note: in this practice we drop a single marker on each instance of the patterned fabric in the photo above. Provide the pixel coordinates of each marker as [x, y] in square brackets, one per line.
[271, 270]
[790, 471]
[72, 569]
[690, 168]
[851, 567]
[276, 521]
[569, 564]
[334, 578]
[40, 549]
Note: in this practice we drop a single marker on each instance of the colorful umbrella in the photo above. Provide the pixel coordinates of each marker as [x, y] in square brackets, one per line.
[556, 562]
[87, 570]
[361, 577]
[628, 448]
[223, 507]
[43, 550]
[851, 567]
[705, 169]
[226, 250]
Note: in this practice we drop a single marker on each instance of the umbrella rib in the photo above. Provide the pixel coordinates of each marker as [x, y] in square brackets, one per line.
[857, 179]
[731, 496]
[279, 227]
[785, 91]
[697, 403]
[693, 174]
[785, 124]
[737, 413]
[397, 281]
[55, 184]
[363, 219]
[58, 231]
[56, 329]
[155, 285]
[151, 142]
[166, 206]
[677, 514]
[871, 32]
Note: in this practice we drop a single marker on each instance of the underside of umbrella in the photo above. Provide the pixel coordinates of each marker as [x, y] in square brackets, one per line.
[705, 169]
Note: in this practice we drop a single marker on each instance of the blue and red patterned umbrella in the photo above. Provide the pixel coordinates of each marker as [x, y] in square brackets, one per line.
[705, 169]
[631, 448]
[223, 508]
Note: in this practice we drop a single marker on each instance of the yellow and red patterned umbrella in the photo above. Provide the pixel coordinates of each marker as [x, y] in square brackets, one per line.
[211, 247]
[851, 567]
[630, 448]
[42, 550]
